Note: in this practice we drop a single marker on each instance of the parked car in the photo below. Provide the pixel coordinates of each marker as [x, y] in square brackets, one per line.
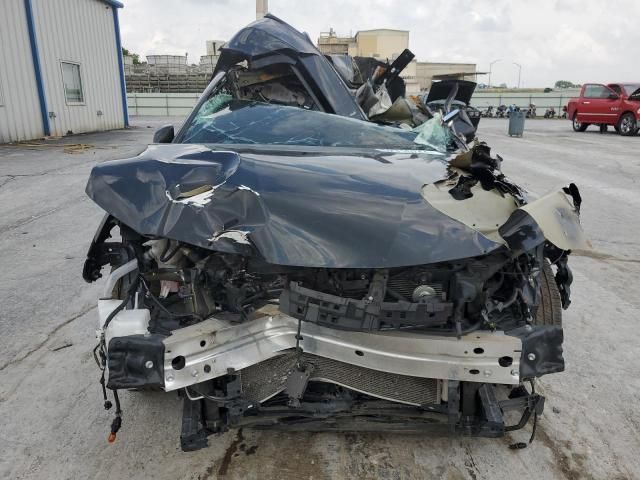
[283, 261]
[616, 104]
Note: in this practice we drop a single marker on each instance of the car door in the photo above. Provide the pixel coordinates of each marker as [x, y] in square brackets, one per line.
[614, 105]
[596, 104]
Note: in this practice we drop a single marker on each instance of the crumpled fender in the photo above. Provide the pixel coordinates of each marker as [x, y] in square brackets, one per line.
[554, 217]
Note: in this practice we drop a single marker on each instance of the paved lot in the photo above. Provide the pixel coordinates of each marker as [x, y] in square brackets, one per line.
[53, 424]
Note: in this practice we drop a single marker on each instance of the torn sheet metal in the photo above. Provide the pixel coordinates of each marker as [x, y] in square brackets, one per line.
[484, 211]
[269, 41]
[383, 102]
[559, 221]
[553, 217]
[198, 197]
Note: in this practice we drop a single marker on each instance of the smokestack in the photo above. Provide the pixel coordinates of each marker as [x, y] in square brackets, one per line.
[262, 7]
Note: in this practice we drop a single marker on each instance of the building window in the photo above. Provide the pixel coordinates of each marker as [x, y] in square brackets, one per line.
[72, 83]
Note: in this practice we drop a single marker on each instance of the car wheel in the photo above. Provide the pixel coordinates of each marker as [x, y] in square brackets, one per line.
[627, 125]
[550, 308]
[578, 126]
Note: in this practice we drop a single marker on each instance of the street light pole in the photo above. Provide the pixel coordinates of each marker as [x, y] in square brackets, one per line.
[519, 72]
[490, 67]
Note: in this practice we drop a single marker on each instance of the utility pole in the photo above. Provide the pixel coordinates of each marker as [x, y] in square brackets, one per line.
[490, 67]
[519, 72]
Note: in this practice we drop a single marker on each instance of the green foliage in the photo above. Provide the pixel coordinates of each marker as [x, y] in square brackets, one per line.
[135, 56]
[565, 84]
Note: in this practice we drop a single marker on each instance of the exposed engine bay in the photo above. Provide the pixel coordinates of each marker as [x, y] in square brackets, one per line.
[303, 256]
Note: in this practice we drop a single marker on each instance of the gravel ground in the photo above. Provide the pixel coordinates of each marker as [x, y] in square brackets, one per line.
[53, 424]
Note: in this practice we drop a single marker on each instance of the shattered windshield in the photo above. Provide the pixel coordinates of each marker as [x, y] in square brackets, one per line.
[225, 120]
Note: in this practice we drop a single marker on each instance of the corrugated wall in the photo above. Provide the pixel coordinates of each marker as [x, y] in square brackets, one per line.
[79, 31]
[19, 110]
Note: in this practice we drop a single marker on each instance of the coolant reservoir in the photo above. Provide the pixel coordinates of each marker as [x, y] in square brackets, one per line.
[126, 322]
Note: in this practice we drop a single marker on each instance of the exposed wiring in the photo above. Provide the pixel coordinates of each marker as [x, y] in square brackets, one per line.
[535, 414]
[522, 445]
[102, 363]
[159, 304]
[204, 395]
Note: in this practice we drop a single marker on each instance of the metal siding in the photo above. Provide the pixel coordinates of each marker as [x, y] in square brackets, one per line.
[20, 117]
[80, 31]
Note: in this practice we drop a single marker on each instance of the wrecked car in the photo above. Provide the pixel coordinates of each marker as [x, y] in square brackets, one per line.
[283, 261]
[440, 90]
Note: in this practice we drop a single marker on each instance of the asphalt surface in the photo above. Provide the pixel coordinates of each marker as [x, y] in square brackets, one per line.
[53, 426]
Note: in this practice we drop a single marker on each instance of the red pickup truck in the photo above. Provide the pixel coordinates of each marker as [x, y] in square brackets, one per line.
[616, 104]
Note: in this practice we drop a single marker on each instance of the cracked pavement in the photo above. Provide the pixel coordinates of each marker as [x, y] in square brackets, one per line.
[54, 425]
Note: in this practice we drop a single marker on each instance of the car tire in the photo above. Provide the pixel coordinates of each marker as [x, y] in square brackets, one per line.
[578, 126]
[627, 125]
[550, 309]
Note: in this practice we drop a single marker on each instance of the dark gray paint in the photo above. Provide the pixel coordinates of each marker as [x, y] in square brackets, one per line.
[322, 207]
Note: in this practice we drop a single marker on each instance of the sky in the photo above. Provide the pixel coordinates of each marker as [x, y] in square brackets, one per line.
[576, 40]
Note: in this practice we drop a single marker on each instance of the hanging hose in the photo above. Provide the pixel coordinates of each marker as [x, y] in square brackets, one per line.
[116, 275]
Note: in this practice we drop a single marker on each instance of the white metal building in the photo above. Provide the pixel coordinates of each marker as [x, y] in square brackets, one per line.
[61, 68]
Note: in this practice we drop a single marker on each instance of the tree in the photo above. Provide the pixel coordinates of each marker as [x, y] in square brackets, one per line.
[565, 84]
[135, 56]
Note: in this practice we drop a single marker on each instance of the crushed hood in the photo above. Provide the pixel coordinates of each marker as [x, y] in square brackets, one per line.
[296, 207]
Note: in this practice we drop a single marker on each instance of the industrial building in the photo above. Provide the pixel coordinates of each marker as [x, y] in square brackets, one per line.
[209, 61]
[428, 71]
[330, 43]
[172, 73]
[386, 44]
[175, 64]
[61, 68]
[382, 43]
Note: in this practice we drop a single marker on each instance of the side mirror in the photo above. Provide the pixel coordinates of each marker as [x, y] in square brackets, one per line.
[613, 96]
[164, 134]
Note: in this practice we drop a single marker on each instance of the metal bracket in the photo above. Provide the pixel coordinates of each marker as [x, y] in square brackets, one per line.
[297, 384]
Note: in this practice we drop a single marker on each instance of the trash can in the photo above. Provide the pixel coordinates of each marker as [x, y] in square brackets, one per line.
[516, 124]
